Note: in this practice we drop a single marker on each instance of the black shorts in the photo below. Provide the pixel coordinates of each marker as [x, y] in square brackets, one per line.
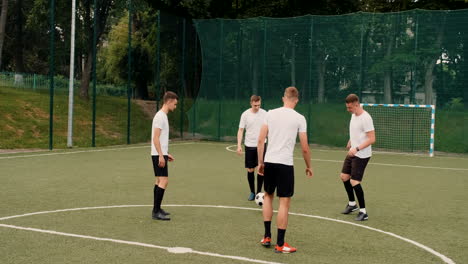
[251, 156]
[355, 167]
[158, 171]
[280, 177]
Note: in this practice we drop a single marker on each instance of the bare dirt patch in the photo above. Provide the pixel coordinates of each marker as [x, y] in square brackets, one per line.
[8, 117]
[18, 132]
[148, 107]
[34, 112]
[36, 133]
[107, 133]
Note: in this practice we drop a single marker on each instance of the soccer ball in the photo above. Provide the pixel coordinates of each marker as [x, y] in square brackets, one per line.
[259, 199]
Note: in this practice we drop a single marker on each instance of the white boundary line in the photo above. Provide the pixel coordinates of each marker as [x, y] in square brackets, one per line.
[395, 153]
[86, 151]
[99, 150]
[68, 153]
[178, 144]
[398, 165]
[70, 210]
[188, 250]
[174, 250]
[228, 148]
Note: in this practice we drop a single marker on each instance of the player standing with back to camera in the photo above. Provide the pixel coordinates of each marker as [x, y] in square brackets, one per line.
[361, 137]
[160, 153]
[282, 125]
[251, 120]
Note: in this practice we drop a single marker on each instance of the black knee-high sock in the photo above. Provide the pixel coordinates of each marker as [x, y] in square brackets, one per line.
[360, 195]
[159, 198]
[267, 225]
[155, 195]
[349, 190]
[251, 179]
[280, 240]
[259, 183]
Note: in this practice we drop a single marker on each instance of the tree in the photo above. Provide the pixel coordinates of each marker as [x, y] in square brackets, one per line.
[113, 56]
[464, 68]
[27, 49]
[18, 33]
[113, 66]
[3, 18]
[383, 42]
[429, 51]
[104, 8]
[335, 45]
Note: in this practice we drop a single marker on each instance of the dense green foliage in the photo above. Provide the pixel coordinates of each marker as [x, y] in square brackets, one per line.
[27, 46]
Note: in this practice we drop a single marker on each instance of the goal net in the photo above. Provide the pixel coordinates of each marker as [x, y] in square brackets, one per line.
[403, 127]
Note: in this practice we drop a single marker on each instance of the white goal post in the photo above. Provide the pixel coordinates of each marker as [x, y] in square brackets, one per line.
[403, 127]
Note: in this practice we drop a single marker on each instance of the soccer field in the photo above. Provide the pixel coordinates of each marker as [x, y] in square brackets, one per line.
[94, 206]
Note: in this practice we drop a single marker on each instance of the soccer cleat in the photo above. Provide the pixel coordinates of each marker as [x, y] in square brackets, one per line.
[362, 217]
[286, 248]
[164, 212]
[266, 241]
[349, 209]
[160, 216]
[251, 196]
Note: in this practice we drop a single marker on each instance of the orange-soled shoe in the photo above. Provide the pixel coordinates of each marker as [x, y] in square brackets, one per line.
[286, 248]
[266, 242]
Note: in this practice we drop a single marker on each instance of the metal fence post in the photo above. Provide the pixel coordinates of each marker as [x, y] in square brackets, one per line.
[129, 73]
[221, 33]
[182, 94]
[51, 73]
[93, 140]
[309, 93]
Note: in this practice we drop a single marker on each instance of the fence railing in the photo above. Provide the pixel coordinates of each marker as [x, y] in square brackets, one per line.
[38, 82]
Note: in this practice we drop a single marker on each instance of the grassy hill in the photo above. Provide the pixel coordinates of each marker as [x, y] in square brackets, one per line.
[24, 120]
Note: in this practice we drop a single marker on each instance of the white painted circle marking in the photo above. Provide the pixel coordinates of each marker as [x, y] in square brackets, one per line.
[228, 148]
[179, 250]
[426, 248]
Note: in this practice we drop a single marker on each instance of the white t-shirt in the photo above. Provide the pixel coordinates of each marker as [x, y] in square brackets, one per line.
[252, 122]
[160, 121]
[358, 127]
[283, 125]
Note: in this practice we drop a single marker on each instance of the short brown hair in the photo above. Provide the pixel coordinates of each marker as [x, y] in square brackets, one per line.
[169, 96]
[255, 98]
[352, 98]
[291, 93]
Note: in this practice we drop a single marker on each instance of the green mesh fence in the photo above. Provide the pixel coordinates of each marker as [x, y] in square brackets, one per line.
[35, 117]
[414, 57]
[39, 82]
[140, 54]
[179, 69]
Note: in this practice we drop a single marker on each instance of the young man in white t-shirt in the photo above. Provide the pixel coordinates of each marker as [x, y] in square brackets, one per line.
[251, 120]
[160, 153]
[361, 137]
[282, 125]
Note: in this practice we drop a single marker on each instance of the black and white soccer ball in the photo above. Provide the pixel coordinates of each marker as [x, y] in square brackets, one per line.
[259, 199]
